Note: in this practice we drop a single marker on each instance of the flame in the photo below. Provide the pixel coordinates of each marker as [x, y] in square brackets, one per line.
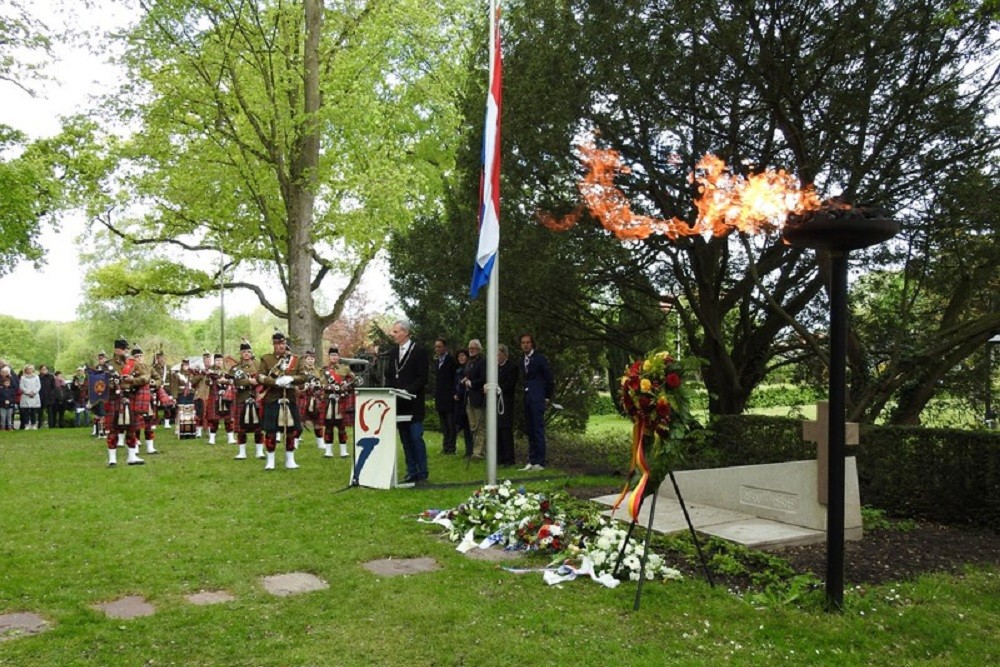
[727, 202]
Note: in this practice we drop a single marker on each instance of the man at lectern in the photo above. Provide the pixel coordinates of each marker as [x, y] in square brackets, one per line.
[408, 370]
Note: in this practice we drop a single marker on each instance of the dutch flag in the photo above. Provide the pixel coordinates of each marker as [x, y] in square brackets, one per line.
[489, 186]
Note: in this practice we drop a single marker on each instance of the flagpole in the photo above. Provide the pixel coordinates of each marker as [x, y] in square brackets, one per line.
[492, 312]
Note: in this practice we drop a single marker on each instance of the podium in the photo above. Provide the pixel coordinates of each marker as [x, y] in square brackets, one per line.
[373, 463]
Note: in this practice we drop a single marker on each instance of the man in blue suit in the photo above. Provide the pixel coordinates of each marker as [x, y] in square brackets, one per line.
[538, 389]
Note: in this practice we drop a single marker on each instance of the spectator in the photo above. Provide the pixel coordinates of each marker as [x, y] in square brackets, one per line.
[78, 387]
[507, 380]
[8, 399]
[31, 400]
[444, 381]
[48, 395]
[475, 397]
[458, 396]
[538, 389]
[64, 399]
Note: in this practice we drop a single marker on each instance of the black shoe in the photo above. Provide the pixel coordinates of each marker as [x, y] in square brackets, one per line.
[409, 479]
[421, 481]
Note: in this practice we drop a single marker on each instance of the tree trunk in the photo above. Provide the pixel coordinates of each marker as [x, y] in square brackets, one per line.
[303, 323]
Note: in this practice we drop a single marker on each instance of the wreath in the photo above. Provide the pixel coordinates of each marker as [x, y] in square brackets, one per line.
[656, 398]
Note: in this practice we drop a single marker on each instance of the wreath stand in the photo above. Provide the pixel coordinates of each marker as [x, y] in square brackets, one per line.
[649, 532]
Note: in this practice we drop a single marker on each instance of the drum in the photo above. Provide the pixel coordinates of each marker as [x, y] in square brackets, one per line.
[185, 421]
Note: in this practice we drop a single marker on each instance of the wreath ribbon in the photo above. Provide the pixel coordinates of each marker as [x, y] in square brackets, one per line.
[638, 462]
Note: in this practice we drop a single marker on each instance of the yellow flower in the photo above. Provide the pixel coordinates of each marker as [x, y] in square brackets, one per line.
[647, 365]
[645, 384]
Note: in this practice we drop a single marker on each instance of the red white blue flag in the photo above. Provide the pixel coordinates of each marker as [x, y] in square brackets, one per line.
[489, 185]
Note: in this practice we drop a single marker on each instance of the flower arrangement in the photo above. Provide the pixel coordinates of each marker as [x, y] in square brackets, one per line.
[656, 397]
[514, 518]
[517, 519]
[603, 548]
[654, 394]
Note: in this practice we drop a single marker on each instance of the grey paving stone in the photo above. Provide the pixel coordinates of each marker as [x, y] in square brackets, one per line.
[202, 598]
[394, 567]
[131, 606]
[293, 583]
[21, 624]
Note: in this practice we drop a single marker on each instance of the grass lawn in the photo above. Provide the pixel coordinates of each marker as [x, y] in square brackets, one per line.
[74, 533]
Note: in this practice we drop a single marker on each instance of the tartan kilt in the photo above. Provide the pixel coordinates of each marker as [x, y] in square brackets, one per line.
[347, 407]
[141, 400]
[315, 415]
[236, 412]
[211, 404]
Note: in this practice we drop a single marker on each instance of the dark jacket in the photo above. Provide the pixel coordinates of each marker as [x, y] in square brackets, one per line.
[48, 392]
[537, 377]
[444, 383]
[475, 373]
[409, 374]
[8, 396]
[507, 379]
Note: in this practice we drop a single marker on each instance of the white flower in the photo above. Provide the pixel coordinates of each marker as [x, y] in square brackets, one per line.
[603, 543]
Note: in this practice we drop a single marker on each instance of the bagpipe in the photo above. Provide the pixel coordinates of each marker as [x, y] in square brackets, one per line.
[335, 390]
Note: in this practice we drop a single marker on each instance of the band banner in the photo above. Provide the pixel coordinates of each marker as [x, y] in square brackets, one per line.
[97, 387]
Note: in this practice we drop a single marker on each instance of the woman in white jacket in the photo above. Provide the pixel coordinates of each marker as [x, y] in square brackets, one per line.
[31, 400]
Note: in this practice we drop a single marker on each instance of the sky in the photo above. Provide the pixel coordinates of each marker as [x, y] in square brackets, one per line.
[56, 290]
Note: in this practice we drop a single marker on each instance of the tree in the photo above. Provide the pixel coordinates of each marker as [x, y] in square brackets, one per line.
[288, 137]
[872, 102]
[24, 45]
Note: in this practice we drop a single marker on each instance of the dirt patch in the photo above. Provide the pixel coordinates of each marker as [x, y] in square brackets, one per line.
[202, 598]
[494, 555]
[394, 567]
[21, 624]
[132, 606]
[895, 555]
[293, 583]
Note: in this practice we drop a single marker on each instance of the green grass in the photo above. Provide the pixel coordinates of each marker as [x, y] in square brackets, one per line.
[74, 533]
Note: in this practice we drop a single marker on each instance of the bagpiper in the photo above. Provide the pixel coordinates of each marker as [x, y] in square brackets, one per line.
[118, 410]
[311, 397]
[279, 374]
[246, 412]
[161, 382]
[202, 388]
[219, 401]
[143, 403]
[339, 389]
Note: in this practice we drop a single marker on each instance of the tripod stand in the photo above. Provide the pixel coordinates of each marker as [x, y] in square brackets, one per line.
[649, 532]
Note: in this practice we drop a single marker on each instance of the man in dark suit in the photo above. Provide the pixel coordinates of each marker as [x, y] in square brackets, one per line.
[408, 370]
[538, 390]
[444, 394]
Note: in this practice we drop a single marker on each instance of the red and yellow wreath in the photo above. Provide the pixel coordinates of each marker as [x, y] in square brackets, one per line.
[655, 396]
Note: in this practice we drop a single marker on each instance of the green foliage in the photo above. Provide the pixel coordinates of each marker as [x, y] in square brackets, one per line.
[875, 519]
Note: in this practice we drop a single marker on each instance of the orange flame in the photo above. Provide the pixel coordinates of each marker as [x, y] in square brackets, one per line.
[727, 202]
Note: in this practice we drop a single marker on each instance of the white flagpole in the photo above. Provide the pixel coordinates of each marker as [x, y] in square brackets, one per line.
[492, 312]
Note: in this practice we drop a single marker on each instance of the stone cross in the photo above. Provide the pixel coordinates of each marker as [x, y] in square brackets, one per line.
[819, 432]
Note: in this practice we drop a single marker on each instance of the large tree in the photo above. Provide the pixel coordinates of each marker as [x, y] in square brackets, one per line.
[288, 137]
[870, 100]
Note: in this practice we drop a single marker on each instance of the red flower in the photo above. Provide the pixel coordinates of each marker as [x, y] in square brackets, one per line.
[644, 402]
[673, 380]
[662, 407]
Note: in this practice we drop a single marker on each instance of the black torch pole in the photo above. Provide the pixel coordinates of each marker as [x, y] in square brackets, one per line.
[838, 405]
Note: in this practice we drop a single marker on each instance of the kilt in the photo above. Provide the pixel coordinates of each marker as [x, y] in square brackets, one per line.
[269, 422]
[212, 403]
[238, 413]
[319, 409]
[141, 400]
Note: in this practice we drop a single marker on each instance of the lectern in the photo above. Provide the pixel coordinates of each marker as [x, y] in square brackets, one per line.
[373, 460]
